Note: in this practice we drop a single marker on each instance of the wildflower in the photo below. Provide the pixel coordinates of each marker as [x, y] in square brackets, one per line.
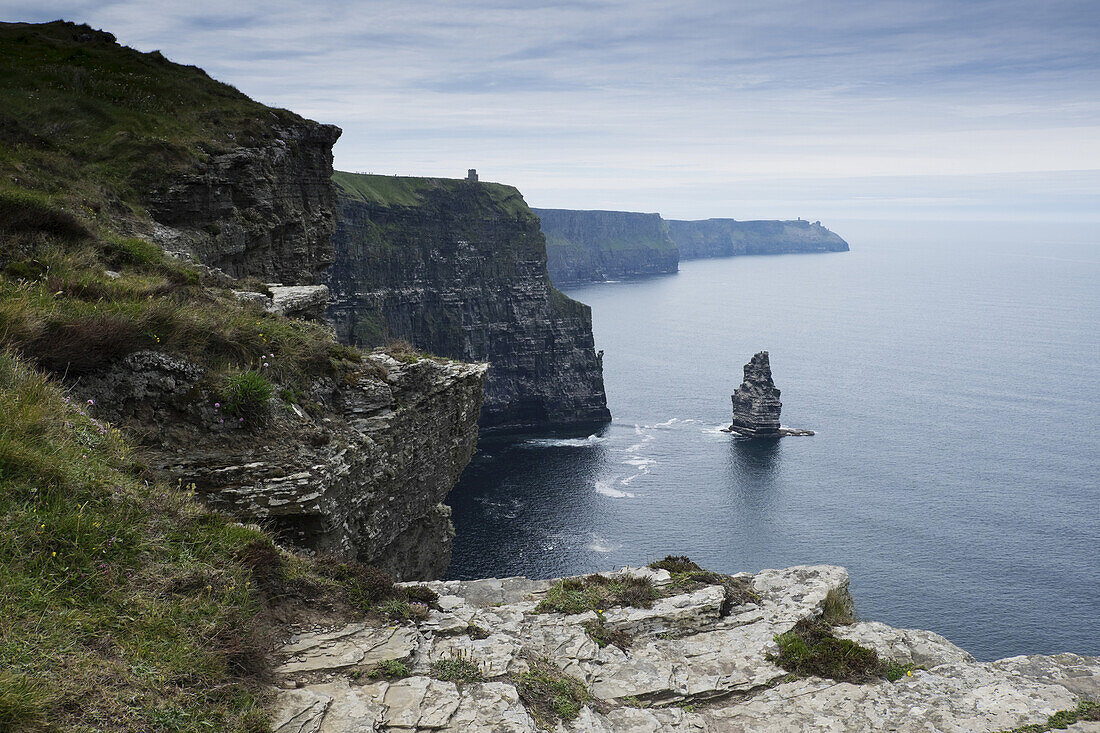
[222, 420]
[91, 402]
[266, 364]
[271, 355]
[53, 554]
[240, 419]
[217, 405]
[42, 527]
[908, 673]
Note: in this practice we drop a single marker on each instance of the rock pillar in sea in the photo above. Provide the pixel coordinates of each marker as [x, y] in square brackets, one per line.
[756, 402]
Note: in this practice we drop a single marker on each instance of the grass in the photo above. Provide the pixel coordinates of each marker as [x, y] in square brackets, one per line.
[811, 649]
[457, 669]
[412, 191]
[549, 694]
[124, 605]
[1086, 710]
[246, 395]
[391, 669]
[597, 592]
[837, 609]
[605, 635]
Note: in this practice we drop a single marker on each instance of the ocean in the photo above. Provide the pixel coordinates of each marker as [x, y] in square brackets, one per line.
[952, 374]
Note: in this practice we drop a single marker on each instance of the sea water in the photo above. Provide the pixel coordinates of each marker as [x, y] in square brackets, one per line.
[952, 374]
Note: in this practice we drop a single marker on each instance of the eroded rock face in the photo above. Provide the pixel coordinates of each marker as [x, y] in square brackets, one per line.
[585, 246]
[458, 268]
[756, 404]
[691, 666]
[729, 237]
[363, 473]
[264, 210]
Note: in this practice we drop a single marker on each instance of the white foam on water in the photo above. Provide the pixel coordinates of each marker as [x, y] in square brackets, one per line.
[716, 430]
[598, 545]
[562, 442]
[604, 488]
[668, 423]
[640, 462]
[626, 481]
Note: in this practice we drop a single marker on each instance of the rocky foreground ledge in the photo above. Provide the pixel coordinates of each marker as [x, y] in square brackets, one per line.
[702, 657]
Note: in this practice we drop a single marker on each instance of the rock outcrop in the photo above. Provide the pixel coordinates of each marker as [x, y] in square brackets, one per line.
[458, 268]
[586, 246]
[756, 404]
[264, 209]
[697, 661]
[726, 237]
[361, 471]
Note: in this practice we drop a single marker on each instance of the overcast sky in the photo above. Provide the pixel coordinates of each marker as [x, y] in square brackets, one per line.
[956, 109]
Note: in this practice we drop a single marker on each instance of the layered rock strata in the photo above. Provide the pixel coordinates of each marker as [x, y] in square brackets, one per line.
[693, 663]
[756, 404]
[727, 237]
[361, 473]
[458, 268]
[602, 245]
[263, 209]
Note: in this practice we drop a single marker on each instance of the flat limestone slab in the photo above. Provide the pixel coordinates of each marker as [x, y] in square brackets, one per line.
[692, 664]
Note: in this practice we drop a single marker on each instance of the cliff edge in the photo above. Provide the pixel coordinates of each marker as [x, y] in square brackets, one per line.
[653, 650]
[728, 237]
[586, 246]
[458, 268]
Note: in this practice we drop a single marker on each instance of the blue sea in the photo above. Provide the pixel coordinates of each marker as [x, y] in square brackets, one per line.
[952, 373]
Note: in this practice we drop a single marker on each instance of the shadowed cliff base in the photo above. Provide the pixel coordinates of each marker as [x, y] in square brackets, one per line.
[458, 268]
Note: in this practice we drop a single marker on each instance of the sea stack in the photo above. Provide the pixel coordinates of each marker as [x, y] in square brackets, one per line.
[756, 402]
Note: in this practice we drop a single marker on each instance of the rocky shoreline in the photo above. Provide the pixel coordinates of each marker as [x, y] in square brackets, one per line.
[697, 659]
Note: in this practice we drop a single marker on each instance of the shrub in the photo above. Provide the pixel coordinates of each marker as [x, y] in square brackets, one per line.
[245, 395]
[604, 635]
[364, 585]
[675, 564]
[549, 693]
[457, 669]
[810, 648]
[594, 592]
[390, 669]
[421, 594]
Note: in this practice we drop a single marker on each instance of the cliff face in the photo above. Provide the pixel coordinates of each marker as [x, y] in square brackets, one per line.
[458, 268]
[361, 473]
[264, 210]
[584, 246]
[726, 237]
[699, 658]
[357, 455]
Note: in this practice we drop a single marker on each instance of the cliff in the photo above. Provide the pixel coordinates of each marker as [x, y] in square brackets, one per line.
[726, 237]
[458, 268]
[602, 245]
[155, 156]
[652, 650]
[355, 467]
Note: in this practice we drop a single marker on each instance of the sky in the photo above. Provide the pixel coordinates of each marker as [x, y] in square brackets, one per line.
[836, 109]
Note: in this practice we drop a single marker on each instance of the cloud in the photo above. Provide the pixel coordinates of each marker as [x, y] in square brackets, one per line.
[627, 103]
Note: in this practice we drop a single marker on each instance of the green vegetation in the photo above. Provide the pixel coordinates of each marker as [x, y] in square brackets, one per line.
[109, 583]
[676, 564]
[379, 190]
[810, 648]
[548, 693]
[837, 609]
[457, 669]
[1086, 710]
[604, 635]
[93, 124]
[245, 395]
[372, 590]
[597, 592]
[391, 669]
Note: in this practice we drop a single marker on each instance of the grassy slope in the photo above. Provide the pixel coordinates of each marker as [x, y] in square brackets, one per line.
[92, 123]
[124, 606]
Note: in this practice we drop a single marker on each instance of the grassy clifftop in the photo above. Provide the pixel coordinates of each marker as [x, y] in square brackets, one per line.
[412, 191]
[93, 124]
